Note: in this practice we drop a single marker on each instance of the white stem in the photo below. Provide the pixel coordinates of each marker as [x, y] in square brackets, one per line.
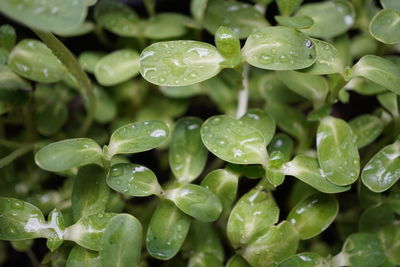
[340, 260]
[243, 95]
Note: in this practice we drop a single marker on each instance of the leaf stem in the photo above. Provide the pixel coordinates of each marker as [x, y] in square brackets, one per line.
[73, 66]
[243, 95]
[150, 7]
[15, 154]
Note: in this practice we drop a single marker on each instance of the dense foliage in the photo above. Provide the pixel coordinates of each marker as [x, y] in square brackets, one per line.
[261, 133]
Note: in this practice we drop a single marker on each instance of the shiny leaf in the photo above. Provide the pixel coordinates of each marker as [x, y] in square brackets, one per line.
[165, 26]
[80, 256]
[260, 120]
[385, 26]
[366, 128]
[305, 259]
[287, 7]
[11, 81]
[89, 59]
[297, 22]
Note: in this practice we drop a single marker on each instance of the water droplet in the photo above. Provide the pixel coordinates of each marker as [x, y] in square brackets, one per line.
[309, 44]
[18, 204]
[283, 59]
[273, 51]
[115, 172]
[193, 75]
[161, 79]
[265, 59]
[221, 142]
[215, 121]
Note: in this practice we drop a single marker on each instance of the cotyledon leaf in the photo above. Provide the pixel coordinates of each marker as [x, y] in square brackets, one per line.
[279, 48]
[88, 59]
[366, 128]
[11, 81]
[165, 26]
[54, 16]
[179, 63]
[187, 154]
[80, 256]
[390, 4]
[233, 140]
[137, 137]
[67, 154]
[305, 259]
[296, 22]
[262, 121]
[287, 7]
[314, 214]
[378, 70]
[337, 151]
[389, 101]
[385, 26]
[32, 59]
[306, 169]
[383, 170]
[237, 261]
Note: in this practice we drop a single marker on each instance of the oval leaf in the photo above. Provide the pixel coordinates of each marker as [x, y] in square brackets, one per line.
[234, 141]
[337, 151]
[165, 26]
[385, 26]
[67, 154]
[297, 22]
[260, 120]
[80, 256]
[306, 259]
[179, 63]
[133, 180]
[279, 48]
[366, 128]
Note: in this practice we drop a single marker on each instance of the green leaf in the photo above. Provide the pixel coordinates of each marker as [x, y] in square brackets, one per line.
[390, 236]
[55, 16]
[187, 154]
[196, 201]
[328, 61]
[227, 43]
[385, 26]
[233, 140]
[51, 117]
[198, 9]
[276, 244]
[242, 18]
[167, 231]
[282, 143]
[56, 221]
[287, 7]
[7, 37]
[305, 259]
[306, 169]
[313, 87]
[331, 18]
[35, 61]
[260, 120]
[183, 91]
[389, 101]
[67, 154]
[237, 261]
[165, 26]
[117, 67]
[90, 193]
[106, 108]
[89, 59]
[383, 170]
[85, 28]
[337, 151]
[11, 81]
[204, 260]
[117, 18]
[20, 220]
[380, 71]
[137, 137]
[366, 128]
[133, 180]
[296, 22]
[121, 242]
[179, 63]
[224, 184]
[361, 249]
[89, 230]
[279, 48]
[251, 217]
[80, 256]
[390, 4]
[313, 215]
[375, 218]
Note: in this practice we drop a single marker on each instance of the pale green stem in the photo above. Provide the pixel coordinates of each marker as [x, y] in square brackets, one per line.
[73, 66]
[10, 144]
[340, 260]
[150, 7]
[15, 154]
[243, 95]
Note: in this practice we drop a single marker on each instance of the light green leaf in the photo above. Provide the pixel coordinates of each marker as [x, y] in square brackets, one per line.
[11, 81]
[179, 63]
[121, 242]
[276, 244]
[187, 154]
[313, 215]
[383, 170]
[51, 117]
[204, 260]
[7, 37]
[198, 8]
[296, 22]
[117, 67]
[390, 236]
[224, 184]
[331, 18]
[84, 28]
[133, 180]
[106, 108]
[287, 7]
[80, 256]
[137, 137]
[117, 18]
[251, 217]
[389, 101]
[366, 128]
[385, 26]
[67, 154]
[328, 60]
[237, 261]
[89, 230]
[167, 231]
[282, 143]
[183, 91]
[260, 120]
[165, 26]
[233, 140]
[196, 201]
[313, 87]
[380, 71]
[35, 61]
[390, 4]
[90, 193]
[88, 59]
[56, 222]
[305, 259]
[337, 151]
[375, 218]
[306, 169]
[54, 16]
[242, 18]
[279, 48]
[228, 44]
